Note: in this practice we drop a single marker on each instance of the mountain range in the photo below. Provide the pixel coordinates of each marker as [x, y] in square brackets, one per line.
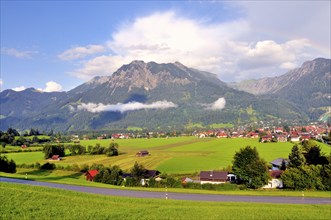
[171, 96]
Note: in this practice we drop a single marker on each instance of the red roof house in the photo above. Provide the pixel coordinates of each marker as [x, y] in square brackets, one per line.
[91, 174]
[55, 157]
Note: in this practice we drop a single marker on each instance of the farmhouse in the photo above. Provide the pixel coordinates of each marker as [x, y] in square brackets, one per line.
[23, 146]
[213, 177]
[275, 182]
[277, 163]
[91, 174]
[142, 153]
[266, 138]
[148, 174]
[281, 138]
[55, 157]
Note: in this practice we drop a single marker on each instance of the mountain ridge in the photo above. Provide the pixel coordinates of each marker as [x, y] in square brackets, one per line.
[133, 96]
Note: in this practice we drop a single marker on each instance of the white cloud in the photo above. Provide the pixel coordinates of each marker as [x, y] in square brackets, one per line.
[248, 47]
[219, 104]
[17, 53]
[81, 52]
[18, 89]
[119, 107]
[52, 86]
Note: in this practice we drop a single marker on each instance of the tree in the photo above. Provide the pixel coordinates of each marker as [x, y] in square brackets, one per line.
[137, 171]
[286, 128]
[250, 168]
[296, 157]
[12, 131]
[7, 166]
[283, 165]
[112, 150]
[50, 150]
[313, 155]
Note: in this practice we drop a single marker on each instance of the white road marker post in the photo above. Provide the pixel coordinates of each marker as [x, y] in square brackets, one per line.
[166, 193]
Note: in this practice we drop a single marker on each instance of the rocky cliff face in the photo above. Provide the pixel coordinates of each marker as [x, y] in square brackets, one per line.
[309, 74]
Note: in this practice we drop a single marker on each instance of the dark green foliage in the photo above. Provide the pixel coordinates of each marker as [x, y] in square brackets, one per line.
[313, 155]
[137, 171]
[250, 168]
[50, 150]
[12, 131]
[307, 177]
[283, 165]
[7, 166]
[76, 149]
[112, 175]
[48, 166]
[112, 150]
[296, 157]
[19, 141]
[313, 173]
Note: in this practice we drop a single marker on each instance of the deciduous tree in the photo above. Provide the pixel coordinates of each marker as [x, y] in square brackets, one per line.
[250, 168]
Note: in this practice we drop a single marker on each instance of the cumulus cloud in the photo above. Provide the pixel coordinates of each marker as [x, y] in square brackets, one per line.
[250, 46]
[16, 53]
[52, 86]
[81, 52]
[18, 89]
[219, 104]
[120, 107]
[1, 83]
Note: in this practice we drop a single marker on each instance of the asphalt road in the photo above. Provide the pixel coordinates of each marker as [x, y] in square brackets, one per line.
[175, 196]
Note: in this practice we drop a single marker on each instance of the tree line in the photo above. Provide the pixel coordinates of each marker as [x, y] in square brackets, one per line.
[76, 149]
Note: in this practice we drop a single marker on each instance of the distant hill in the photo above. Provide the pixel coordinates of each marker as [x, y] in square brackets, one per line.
[307, 87]
[145, 95]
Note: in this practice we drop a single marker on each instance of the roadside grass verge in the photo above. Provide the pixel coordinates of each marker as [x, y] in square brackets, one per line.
[78, 178]
[32, 202]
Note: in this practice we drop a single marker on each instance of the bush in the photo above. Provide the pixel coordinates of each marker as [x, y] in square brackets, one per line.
[84, 168]
[7, 166]
[48, 166]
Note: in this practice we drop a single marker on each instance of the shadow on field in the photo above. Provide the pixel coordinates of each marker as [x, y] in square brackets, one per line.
[38, 172]
[73, 176]
[45, 174]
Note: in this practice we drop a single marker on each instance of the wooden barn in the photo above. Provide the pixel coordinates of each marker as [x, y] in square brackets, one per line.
[91, 174]
[213, 177]
[142, 153]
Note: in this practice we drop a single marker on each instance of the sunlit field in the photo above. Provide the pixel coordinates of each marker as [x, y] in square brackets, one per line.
[170, 155]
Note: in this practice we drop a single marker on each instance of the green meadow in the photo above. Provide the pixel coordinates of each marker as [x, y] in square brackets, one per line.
[182, 155]
[48, 203]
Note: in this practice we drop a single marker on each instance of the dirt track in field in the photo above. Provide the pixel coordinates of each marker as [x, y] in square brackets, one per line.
[179, 144]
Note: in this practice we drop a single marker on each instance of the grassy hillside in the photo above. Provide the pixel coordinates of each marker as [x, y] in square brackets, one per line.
[48, 203]
[172, 155]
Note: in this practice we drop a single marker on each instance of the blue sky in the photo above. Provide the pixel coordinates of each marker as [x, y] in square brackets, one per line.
[57, 45]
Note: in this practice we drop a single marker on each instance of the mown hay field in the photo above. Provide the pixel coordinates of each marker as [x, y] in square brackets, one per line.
[171, 155]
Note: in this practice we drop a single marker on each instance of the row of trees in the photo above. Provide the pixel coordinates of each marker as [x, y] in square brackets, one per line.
[76, 149]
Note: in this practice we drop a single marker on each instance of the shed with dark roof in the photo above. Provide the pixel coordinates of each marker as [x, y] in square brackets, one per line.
[213, 177]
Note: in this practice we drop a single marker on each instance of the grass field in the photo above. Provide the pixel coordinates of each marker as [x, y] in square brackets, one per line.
[31, 202]
[182, 155]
